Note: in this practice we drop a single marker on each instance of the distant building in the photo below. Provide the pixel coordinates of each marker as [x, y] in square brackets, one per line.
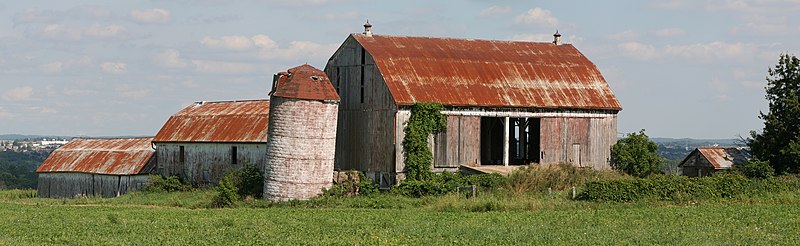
[708, 160]
[96, 167]
[206, 139]
[506, 103]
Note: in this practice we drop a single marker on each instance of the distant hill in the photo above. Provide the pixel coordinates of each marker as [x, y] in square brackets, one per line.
[679, 148]
[23, 136]
[18, 170]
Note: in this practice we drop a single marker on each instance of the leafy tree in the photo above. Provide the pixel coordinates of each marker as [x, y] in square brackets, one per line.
[755, 169]
[636, 155]
[779, 142]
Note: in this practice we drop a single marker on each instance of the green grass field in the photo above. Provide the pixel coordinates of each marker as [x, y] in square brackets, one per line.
[178, 218]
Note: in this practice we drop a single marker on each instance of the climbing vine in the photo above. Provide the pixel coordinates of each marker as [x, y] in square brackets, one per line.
[426, 119]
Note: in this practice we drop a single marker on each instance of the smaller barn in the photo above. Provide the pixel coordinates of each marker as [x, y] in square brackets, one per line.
[97, 167]
[203, 141]
[706, 161]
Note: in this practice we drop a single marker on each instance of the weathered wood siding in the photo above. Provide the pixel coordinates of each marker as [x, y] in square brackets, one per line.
[696, 166]
[592, 137]
[70, 185]
[206, 163]
[365, 138]
[459, 144]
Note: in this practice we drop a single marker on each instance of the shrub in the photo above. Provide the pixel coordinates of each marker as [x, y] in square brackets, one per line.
[362, 187]
[662, 187]
[446, 182]
[755, 169]
[636, 155]
[169, 184]
[236, 184]
[538, 178]
[227, 192]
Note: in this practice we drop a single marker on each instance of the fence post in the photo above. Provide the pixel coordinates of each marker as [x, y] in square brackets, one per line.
[573, 192]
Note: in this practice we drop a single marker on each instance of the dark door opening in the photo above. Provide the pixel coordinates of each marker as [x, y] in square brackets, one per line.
[523, 142]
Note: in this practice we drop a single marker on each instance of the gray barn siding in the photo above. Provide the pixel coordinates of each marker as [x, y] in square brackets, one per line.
[366, 131]
[594, 135]
[69, 185]
[206, 163]
[459, 144]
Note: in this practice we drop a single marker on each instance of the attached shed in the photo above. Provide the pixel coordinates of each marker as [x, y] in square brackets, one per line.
[507, 103]
[203, 141]
[708, 160]
[106, 167]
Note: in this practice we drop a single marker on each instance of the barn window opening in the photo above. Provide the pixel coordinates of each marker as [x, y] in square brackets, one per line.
[181, 154]
[338, 78]
[363, 64]
[234, 157]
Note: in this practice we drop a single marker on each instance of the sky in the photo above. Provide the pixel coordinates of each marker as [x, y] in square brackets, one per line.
[109, 68]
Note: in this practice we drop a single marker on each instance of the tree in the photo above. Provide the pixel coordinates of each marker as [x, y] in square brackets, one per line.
[636, 155]
[779, 142]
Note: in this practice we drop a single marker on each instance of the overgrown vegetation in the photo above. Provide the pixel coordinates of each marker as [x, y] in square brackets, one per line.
[238, 184]
[18, 170]
[636, 155]
[537, 179]
[360, 186]
[754, 169]
[426, 119]
[779, 141]
[169, 184]
[681, 188]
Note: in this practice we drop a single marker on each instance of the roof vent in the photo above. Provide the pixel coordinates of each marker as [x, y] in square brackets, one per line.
[557, 38]
[368, 29]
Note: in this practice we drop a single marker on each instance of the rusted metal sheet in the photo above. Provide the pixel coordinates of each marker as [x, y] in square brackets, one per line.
[463, 72]
[722, 158]
[117, 156]
[305, 82]
[229, 121]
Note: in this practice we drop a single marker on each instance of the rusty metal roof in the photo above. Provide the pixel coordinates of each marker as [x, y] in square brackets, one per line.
[722, 158]
[116, 156]
[488, 73]
[229, 121]
[305, 82]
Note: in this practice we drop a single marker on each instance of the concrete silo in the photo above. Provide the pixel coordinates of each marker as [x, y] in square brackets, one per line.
[302, 134]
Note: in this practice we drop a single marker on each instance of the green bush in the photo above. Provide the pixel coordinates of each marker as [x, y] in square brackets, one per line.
[636, 155]
[538, 178]
[227, 192]
[425, 119]
[755, 169]
[169, 184]
[662, 187]
[446, 182]
[363, 187]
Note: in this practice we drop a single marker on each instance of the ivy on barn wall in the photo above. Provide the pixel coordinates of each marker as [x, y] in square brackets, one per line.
[426, 119]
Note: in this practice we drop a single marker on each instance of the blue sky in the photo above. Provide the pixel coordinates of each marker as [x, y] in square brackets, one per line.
[680, 68]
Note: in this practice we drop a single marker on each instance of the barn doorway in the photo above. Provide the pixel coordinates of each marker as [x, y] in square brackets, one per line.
[523, 140]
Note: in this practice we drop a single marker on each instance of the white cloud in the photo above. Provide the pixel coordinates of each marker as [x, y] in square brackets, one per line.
[627, 35]
[720, 88]
[61, 32]
[692, 52]
[171, 59]
[537, 16]
[126, 91]
[18, 94]
[756, 6]
[78, 92]
[495, 11]
[266, 48]
[206, 66]
[151, 16]
[4, 113]
[43, 110]
[107, 32]
[114, 67]
[52, 68]
[670, 32]
[762, 25]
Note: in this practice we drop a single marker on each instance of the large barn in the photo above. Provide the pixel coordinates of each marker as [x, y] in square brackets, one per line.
[203, 141]
[96, 167]
[507, 103]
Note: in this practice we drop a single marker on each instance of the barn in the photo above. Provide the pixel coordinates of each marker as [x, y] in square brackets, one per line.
[96, 167]
[708, 160]
[203, 141]
[507, 103]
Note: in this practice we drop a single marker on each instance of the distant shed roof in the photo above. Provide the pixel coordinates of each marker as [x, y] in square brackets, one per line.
[114, 156]
[465, 72]
[719, 157]
[229, 121]
[305, 82]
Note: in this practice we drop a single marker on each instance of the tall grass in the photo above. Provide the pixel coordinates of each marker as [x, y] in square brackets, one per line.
[15, 194]
[538, 178]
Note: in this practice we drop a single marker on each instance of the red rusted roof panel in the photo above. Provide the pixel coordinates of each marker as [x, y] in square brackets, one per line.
[232, 121]
[116, 156]
[462, 72]
[722, 157]
[305, 82]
